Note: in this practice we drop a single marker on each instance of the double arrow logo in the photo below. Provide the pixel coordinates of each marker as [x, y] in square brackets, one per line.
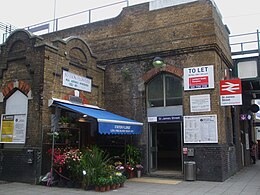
[231, 87]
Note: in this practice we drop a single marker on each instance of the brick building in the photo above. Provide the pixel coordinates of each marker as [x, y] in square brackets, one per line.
[116, 55]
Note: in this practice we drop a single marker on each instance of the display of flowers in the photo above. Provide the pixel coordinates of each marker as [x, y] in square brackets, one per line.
[72, 163]
[66, 161]
[128, 167]
[119, 167]
[58, 158]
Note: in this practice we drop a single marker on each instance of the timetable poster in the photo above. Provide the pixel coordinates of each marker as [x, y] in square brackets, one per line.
[200, 129]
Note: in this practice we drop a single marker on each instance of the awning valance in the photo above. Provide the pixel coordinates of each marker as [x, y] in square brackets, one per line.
[108, 123]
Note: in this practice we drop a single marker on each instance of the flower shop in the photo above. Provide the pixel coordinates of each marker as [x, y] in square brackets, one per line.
[91, 148]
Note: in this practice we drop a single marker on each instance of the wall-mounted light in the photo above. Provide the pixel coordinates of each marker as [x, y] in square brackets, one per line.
[158, 62]
[83, 119]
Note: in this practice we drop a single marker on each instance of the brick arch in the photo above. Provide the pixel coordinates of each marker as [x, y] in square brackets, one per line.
[21, 85]
[167, 69]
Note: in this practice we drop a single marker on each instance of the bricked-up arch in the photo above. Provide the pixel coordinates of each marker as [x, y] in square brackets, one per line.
[167, 69]
[77, 56]
[78, 51]
[18, 46]
[10, 88]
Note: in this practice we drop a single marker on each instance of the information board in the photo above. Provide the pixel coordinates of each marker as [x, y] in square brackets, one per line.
[200, 103]
[13, 128]
[200, 129]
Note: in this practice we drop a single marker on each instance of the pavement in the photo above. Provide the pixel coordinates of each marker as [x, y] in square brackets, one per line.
[245, 182]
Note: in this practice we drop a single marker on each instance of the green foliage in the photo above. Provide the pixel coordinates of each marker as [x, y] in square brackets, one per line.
[64, 120]
[101, 181]
[126, 73]
[94, 161]
[122, 178]
[133, 155]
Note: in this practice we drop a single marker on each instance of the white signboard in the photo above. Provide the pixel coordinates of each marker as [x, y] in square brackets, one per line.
[257, 115]
[200, 103]
[196, 78]
[230, 92]
[200, 129]
[13, 128]
[257, 131]
[76, 82]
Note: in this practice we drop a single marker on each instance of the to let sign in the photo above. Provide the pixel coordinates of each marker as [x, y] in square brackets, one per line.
[198, 78]
[230, 92]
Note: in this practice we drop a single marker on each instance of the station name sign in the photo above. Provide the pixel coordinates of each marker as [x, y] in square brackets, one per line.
[165, 118]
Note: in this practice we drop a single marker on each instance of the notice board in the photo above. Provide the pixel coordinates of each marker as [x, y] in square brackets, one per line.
[13, 128]
[200, 129]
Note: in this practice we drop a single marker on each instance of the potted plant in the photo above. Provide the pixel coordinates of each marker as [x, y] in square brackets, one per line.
[133, 157]
[100, 184]
[64, 122]
[139, 168]
[123, 179]
[94, 162]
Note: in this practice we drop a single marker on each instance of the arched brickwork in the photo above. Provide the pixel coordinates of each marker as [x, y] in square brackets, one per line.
[168, 69]
[21, 85]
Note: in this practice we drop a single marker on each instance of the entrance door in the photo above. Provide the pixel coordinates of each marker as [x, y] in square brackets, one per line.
[165, 147]
[169, 155]
[153, 147]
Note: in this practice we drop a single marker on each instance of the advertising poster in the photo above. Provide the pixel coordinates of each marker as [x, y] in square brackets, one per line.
[196, 78]
[200, 129]
[13, 128]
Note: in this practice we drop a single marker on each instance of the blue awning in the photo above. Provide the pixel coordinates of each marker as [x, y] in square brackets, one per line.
[108, 123]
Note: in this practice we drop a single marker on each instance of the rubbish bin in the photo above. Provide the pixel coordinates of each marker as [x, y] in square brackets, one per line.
[189, 170]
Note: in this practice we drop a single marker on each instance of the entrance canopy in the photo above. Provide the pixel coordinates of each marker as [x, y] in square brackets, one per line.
[108, 123]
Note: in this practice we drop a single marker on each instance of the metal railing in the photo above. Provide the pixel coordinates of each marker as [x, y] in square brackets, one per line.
[245, 44]
[79, 18]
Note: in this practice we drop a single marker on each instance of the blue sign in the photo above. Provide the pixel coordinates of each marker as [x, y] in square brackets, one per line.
[169, 118]
[112, 128]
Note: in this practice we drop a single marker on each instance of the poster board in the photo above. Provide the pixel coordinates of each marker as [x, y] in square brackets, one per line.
[13, 128]
[200, 129]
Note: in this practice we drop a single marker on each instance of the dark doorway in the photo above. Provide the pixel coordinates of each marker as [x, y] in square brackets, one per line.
[169, 146]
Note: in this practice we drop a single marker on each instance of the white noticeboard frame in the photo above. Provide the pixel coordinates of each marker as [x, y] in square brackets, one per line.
[200, 129]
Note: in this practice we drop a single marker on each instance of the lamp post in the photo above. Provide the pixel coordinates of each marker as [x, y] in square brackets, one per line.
[54, 15]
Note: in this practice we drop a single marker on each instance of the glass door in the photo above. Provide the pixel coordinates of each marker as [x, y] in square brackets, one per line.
[153, 147]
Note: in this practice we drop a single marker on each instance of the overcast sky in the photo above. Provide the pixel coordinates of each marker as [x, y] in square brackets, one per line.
[241, 16]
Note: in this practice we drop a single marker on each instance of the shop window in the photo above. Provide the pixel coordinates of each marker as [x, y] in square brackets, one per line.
[164, 90]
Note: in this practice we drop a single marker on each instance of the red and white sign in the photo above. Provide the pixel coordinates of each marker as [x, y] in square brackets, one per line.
[198, 78]
[230, 92]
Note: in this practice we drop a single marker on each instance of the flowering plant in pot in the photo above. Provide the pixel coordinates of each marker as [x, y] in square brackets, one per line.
[139, 167]
[72, 162]
[101, 183]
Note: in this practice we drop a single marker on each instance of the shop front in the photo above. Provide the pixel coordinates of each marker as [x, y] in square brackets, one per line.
[81, 126]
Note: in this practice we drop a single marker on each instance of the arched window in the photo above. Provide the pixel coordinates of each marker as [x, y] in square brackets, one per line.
[164, 90]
